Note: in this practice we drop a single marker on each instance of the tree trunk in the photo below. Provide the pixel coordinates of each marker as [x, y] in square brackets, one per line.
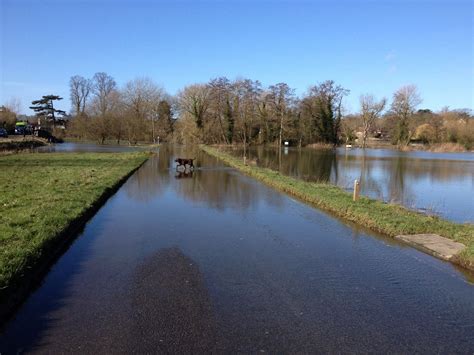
[153, 130]
[281, 131]
[364, 137]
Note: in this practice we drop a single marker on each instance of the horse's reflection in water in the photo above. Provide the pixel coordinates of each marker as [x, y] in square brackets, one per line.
[183, 172]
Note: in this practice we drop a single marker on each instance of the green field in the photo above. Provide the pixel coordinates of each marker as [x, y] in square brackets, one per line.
[42, 194]
[385, 218]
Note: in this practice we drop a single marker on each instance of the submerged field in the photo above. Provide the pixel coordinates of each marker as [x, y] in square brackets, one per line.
[386, 218]
[42, 194]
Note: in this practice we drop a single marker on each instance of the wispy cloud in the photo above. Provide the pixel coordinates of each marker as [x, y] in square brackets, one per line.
[14, 83]
[33, 86]
[390, 59]
[390, 56]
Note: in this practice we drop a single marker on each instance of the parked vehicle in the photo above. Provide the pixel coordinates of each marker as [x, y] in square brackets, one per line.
[19, 130]
[23, 128]
[3, 133]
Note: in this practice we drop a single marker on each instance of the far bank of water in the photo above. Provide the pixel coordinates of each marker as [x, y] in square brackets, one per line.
[434, 183]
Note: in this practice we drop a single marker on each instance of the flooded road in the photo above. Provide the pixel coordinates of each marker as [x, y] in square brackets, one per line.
[434, 183]
[217, 262]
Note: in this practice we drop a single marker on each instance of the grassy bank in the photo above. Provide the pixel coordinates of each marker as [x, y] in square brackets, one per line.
[381, 217]
[42, 197]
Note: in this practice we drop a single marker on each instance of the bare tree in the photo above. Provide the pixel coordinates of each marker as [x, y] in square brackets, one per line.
[263, 115]
[246, 93]
[14, 105]
[281, 98]
[9, 112]
[103, 86]
[370, 110]
[7, 118]
[222, 106]
[195, 100]
[111, 123]
[79, 88]
[405, 101]
[142, 97]
[163, 113]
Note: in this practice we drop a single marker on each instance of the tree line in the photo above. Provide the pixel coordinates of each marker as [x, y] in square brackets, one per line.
[243, 111]
[220, 111]
[141, 111]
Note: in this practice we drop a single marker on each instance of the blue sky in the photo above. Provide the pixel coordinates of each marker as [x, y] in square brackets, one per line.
[366, 46]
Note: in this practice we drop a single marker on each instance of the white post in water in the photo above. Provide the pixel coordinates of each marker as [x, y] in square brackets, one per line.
[355, 196]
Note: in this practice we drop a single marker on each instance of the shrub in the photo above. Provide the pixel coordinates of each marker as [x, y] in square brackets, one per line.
[425, 133]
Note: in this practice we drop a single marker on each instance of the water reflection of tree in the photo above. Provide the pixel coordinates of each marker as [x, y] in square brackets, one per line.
[147, 182]
[305, 164]
[388, 184]
[384, 177]
[370, 186]
[393, 173]
[396, 181]
[219, 187]
[396, 171]
[211, 183]
[383, 174]
[150, 180]
[215, 188]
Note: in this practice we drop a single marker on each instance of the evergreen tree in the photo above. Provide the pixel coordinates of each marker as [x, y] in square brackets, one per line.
[44, 107]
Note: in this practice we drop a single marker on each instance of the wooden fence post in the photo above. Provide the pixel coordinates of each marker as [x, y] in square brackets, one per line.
[355, 196]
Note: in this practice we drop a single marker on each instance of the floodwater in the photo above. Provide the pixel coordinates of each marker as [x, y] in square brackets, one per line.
[434, 183]
[214, 261]
[68, 147]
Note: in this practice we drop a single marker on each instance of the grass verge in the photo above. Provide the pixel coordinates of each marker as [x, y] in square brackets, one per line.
[45, 199]
[385, 218]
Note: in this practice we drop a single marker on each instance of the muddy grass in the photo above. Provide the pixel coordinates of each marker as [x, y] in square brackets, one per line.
[46, 199]
[386, 218]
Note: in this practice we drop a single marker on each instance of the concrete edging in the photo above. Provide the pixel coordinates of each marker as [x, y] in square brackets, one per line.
[434, 244]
